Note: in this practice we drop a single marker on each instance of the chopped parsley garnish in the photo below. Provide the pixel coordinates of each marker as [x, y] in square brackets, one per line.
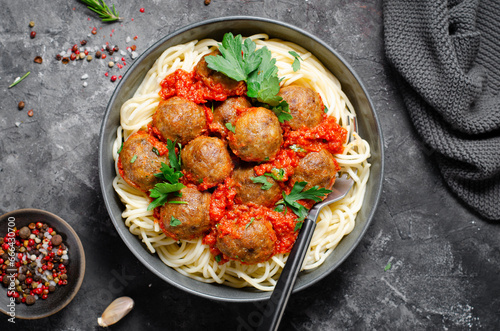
[133, 159]
[175, 161]
[120, 149]
[248, 224]
[230, 127]
[297, 193]
[218, 258]
[242, 61]
[276, 174]
[262, 180]
[326, 109]
[297, 149]
[296, 61]
[155, 150]
[174, 221]
[170, 186]
[282, 111]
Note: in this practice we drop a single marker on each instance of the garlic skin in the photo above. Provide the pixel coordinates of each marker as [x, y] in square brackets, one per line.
[116, 311]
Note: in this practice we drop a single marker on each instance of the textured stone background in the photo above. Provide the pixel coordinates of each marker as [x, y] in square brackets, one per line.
[445, 259]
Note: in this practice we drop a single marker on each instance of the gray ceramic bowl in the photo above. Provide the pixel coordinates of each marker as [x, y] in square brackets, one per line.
[76, 268]
[368, 124]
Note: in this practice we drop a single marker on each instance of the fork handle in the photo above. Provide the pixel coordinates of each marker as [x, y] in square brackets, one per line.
[277, 302]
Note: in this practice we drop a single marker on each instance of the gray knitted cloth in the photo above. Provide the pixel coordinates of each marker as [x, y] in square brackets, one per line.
[447, 58]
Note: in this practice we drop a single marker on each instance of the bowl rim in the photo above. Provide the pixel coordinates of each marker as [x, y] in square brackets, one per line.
[101, 163]
[67, 231]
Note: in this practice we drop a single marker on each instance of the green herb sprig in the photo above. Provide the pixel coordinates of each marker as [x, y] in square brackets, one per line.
[242, 61]
[296, 61]
[17, 81]
[170, 175]
[100, 8]
[297, 193]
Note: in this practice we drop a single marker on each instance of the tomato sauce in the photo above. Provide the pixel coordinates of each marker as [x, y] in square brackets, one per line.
[189, 86]
[297, 144]
[327, 135]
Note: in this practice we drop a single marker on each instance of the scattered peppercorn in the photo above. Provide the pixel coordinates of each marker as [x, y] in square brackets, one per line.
[32, 24]
[111, 64]
[74, 48]
[30, 113]
[20, 105]
[141, 10]
[72, 57]
[32, 34]
[38, 266]
[113, 78]
[98, 54]
[94, 31]
[133, 47]
[83, 42]
[116, 49]
[207, 2]
[58, 57]
[38, 59]
[65, 60]
[81, 56]
[89, 58]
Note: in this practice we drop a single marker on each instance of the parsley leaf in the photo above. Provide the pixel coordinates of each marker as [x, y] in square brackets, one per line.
[156, 151]
[169, 174]
[174, 221]
[298, 193]
[218, 258]
[175, 162]
[388, 266]
[298, 225]
[326, 109]
[282, 111]
[248, 224]
[244, 62]
[262, 180]
[276, 174]
[296, 62]
[160, 193]
[230, 127]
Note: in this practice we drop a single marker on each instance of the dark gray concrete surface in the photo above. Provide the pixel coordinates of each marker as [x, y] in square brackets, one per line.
[445, 259]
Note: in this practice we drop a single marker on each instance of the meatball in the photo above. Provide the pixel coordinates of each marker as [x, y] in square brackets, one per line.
[207, 159]
[258, 135]
[317, 169]
[190, 220]
[226, 112]
[247, 191]
[139, 162]
[179, 119]
[247, 239]
[305, 106]
[215, 79]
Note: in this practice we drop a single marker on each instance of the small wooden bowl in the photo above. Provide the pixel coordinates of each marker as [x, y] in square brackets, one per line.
[76, 267]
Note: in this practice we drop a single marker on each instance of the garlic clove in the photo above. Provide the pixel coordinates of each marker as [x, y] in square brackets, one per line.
[116, 311]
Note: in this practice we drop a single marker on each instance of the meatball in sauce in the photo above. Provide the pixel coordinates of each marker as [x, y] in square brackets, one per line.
[257, 136]
[305, 106]
[217, 80]
[247, 191]
[179, 119]
[227, 112]
[207, 160]
[139, 160]
[317, 169]
[188, 220]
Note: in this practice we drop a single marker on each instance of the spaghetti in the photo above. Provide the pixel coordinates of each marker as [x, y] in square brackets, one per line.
[191, 257]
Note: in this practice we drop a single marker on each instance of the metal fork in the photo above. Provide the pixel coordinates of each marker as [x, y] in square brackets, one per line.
[283, 289]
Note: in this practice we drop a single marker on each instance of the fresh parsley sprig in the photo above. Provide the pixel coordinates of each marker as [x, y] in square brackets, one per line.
[170, 175]
[297, 193]
[296, 61]
[242, 61]
[100, 8]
